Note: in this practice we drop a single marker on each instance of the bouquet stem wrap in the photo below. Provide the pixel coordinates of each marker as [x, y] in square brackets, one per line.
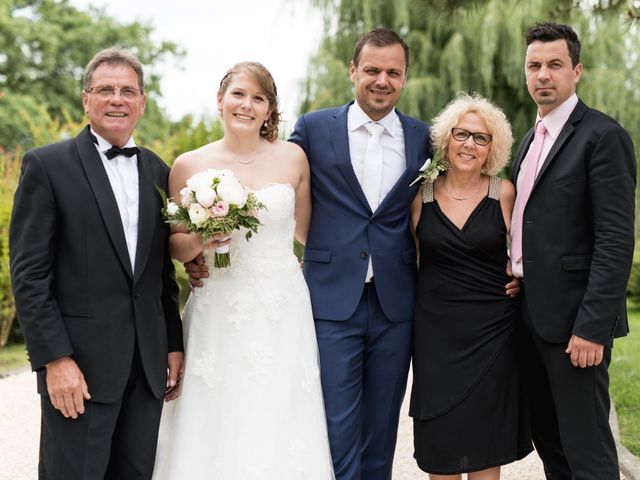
[221, 256]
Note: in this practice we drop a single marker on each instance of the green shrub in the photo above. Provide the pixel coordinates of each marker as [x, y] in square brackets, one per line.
[633, 287]
[9, 172]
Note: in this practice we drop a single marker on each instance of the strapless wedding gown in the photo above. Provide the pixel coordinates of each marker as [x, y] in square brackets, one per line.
[251, 405]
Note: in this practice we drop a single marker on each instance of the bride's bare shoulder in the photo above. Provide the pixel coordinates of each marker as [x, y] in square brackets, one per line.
[289, 152]
[200, 158]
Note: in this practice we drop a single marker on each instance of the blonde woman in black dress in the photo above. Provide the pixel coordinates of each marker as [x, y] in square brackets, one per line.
[465, 399]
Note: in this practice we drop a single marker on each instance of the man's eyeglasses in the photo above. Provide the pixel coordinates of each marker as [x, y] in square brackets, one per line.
[461, 135]
[107, 92]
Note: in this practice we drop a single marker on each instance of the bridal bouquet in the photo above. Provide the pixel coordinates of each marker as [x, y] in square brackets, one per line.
[214, 202]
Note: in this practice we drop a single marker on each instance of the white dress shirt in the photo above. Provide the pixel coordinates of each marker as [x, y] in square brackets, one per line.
[394, 161]
[392, 142]
[554, 122]
[123, 177]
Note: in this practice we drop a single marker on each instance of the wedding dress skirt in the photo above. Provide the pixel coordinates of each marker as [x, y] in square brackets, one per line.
[251, 405]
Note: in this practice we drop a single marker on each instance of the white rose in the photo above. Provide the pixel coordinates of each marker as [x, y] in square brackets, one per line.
[206, 196]
[200, 180]
[172, 208]
[232, 191]
[198, 214]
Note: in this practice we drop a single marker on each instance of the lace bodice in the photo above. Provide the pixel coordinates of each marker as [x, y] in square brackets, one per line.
[264, 262]
[271, 249]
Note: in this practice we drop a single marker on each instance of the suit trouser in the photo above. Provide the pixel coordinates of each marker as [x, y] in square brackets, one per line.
[111, 441]
[569, 410]
[364, 362]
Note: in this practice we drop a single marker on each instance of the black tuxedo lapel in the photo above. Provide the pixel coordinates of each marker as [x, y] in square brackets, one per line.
[105, 198]
[147, 213]
[340, 142]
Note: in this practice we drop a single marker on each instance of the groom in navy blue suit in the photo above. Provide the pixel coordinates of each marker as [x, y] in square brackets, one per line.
[360, 257]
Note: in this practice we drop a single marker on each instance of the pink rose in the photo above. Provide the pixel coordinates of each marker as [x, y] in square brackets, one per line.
[185, 197]
[220, 209]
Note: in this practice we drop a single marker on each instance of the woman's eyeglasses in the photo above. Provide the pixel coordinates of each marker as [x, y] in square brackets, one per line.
[461, 135]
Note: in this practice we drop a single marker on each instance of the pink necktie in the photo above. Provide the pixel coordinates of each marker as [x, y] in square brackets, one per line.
[526, 185]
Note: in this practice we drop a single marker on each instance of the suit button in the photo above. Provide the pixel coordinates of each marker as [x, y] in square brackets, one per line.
[136, 295]
[364, 255]
[371, 220]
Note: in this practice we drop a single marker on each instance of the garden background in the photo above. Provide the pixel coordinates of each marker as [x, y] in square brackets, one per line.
[456, 45]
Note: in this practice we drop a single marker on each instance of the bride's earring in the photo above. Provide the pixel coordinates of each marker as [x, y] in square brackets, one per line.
[265, 124]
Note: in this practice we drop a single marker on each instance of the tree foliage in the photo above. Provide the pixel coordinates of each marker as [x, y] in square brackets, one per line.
[44, 46]
[463, 45]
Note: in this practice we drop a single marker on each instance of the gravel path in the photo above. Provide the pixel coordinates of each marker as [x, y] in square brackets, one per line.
[20, 423]
[20, 426]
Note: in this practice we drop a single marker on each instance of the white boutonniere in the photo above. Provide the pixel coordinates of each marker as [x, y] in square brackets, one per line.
[429, 171]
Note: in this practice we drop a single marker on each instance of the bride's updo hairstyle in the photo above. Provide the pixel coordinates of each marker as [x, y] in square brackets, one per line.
[263, 77]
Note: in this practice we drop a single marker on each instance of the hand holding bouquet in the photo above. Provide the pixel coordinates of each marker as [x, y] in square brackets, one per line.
[214, 202]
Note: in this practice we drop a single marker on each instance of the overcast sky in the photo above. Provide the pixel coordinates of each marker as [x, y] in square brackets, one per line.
[281, 34]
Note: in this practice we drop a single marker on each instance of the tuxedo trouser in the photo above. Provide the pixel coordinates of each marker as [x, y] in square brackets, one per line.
[569, 409]
[364, 362]
[110, 441]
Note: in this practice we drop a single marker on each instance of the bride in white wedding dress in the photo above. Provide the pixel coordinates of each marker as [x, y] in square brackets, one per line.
[251, 403]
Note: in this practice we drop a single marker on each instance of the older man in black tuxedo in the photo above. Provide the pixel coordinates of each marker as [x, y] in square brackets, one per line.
[94, 285]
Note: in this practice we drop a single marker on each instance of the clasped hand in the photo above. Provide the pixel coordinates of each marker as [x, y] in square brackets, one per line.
[216, 241]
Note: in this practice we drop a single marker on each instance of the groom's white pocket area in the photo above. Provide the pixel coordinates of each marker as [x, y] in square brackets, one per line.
[319, 256]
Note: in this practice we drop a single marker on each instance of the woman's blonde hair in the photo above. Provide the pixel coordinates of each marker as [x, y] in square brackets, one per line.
[493, 117]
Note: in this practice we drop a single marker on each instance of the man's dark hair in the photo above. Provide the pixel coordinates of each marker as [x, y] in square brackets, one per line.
[548, 32]
[380, 37]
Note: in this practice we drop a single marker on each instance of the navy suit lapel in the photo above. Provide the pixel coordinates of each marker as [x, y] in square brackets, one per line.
[413, 138]
[105, 198]
[148, 211]
[340, 142]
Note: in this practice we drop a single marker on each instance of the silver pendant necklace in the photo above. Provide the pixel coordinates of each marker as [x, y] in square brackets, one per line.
[444, 184]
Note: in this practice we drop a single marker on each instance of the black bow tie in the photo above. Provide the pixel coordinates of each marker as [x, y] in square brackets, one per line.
[115, 151]
[126, 151]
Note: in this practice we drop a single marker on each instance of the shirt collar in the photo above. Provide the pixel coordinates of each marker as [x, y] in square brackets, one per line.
[555, 120]
[103, 145]
[357, 118]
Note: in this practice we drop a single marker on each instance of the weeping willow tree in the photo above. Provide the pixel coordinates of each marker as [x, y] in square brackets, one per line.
[470, 45]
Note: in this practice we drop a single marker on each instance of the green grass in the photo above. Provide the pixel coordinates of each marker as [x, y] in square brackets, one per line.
[625, 382]
[12, 357]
